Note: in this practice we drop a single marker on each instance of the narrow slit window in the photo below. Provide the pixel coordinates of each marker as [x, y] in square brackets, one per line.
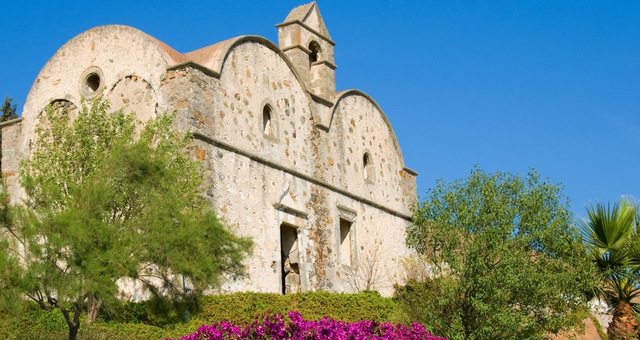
[346, 236]
[267, 121]
[367, 167]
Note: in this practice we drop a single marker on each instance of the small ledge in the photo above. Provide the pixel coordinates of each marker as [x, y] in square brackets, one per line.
[11, 122]
[328, 63]
[347, 213]
[290, 210]
[270, 138]
[321, 100]
[306, 50]
[308, 29]
[410, 171]
[196, 66]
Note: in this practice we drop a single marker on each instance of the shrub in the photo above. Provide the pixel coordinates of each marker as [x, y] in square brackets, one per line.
[244, 308]
[517, 265]
[153, 320]
[434, 303]
[275, 327]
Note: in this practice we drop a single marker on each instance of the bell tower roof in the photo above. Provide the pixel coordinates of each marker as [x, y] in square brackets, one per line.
[308, 15]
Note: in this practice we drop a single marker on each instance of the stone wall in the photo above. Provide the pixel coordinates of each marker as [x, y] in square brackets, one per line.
[318, 183]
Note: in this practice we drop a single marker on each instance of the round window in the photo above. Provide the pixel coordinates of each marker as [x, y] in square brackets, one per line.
[91, 82]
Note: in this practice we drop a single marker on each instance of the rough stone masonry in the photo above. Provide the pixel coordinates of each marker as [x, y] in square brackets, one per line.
[315, 176]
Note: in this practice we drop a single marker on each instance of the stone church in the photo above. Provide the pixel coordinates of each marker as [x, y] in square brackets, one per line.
[313, 175]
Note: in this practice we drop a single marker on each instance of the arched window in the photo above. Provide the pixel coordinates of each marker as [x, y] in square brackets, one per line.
[314, 55]
[267, 123]
[367, 167]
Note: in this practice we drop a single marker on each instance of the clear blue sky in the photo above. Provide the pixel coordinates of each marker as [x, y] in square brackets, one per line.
[507, 85]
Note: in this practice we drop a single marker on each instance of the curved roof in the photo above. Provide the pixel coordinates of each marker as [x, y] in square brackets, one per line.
[213, 57]
[353, 92]
[170, 55]
[98, 46]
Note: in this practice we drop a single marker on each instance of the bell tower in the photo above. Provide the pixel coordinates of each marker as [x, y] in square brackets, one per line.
[304, 38]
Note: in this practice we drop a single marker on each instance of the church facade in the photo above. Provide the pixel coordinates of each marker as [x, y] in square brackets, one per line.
[313, 175]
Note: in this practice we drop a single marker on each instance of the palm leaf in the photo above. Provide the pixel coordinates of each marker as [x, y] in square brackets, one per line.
[609, 228]
[613, 241]
[623, 288]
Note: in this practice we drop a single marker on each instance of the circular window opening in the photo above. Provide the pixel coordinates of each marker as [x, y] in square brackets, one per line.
[92, 82]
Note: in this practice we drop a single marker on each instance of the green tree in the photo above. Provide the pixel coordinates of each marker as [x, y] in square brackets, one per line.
[611, 233]
[506, 261]
[107, 200]
[8, 110]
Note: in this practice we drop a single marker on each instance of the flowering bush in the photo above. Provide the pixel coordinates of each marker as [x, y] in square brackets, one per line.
[275, 327]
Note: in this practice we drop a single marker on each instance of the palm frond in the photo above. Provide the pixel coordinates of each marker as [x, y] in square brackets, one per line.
[612, 238]
[609, 227]
[612, 261]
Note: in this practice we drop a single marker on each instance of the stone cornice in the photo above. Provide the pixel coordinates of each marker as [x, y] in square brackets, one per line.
[325, 62]
[410, 171]
[298, 46]
[290, 210]
[310, 179]
[321, 100]
[320, 35]
[11, 122]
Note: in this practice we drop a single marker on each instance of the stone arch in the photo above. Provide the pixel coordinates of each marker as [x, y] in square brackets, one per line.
[134, 94]
[345, 94]
[315, 52]
[132, 52]
[59, 106]
[359, 128]
[214, 57]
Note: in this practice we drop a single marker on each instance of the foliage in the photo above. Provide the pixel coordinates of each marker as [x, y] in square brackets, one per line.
[275, 327]
[36, 323]
[140, 321]
[108, 199]
[243, 308]
[613, 239]
[513, 261]
[435, 303]
[8, 110]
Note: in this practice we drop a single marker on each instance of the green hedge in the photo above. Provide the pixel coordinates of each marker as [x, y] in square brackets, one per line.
[245, 307]
[154, 320]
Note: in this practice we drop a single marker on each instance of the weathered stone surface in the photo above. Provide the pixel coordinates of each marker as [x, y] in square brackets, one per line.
[303, 169]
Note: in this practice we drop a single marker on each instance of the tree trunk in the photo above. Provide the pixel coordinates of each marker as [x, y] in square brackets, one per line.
[93, 307]
[73, 321]
[73, 332]
[623, 324]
